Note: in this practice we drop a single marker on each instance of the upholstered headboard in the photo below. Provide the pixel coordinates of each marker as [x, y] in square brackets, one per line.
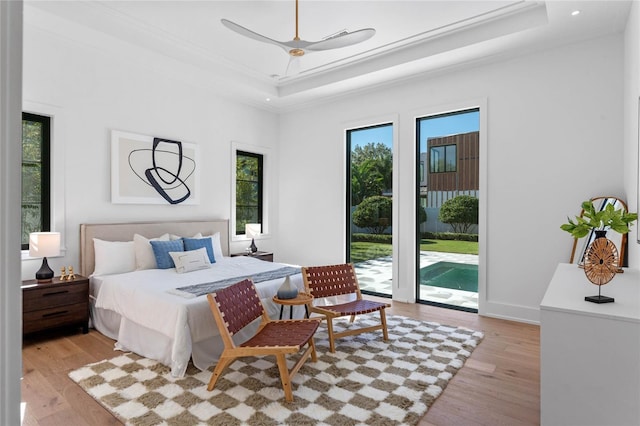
[125, 232]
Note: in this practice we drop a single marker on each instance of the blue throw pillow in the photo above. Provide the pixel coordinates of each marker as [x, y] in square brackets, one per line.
[196, 243]
[161, 251]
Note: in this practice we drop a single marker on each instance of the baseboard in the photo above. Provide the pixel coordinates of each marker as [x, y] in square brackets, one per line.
[510, 312]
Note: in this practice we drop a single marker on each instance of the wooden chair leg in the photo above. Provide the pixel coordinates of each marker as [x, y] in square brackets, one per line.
[383, 320]
[332, 343]
[314, 356]
[284, 377]
[220, 366]
[352, 319]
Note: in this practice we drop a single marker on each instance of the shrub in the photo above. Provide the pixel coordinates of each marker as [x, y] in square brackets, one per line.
[422, 215]
[448, 236]
[372, 238]
[374, 214]
[460, 212]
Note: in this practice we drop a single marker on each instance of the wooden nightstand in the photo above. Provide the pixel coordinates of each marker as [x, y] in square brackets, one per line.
[55, 304]
[267, 256]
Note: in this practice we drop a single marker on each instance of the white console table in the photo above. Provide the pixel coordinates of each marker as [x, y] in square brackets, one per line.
[590, 353]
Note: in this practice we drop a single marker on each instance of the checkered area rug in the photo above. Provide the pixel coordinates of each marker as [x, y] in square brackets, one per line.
[365, 382]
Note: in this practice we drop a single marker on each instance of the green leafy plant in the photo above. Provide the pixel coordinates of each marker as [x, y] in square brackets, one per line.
[619, 220]
[460, 212]
[374, 214]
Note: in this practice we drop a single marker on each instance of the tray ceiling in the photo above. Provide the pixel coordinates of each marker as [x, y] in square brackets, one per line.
[412, 37]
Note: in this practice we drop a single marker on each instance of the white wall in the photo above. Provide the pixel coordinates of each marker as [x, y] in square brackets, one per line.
[631, 131]
[92, 91]
[554, 119]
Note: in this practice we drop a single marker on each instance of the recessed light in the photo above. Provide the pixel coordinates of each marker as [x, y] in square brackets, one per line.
[268, 99]
[575, 13]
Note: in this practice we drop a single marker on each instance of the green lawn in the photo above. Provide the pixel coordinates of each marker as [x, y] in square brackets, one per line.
[361, 251]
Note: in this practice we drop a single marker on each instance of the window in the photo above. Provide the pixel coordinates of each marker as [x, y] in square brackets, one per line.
[249, 190]
[443, 159]
[36, 205]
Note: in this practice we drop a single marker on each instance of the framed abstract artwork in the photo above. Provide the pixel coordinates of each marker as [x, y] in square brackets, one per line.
[152, 170]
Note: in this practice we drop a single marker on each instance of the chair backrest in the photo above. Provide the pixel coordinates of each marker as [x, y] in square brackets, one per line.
[331, 280]
[239, 305]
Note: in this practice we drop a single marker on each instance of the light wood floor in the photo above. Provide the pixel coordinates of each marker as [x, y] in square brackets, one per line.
[499, 384]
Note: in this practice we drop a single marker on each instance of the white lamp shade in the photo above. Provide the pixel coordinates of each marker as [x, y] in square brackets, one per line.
[252, 229]
[44, 244]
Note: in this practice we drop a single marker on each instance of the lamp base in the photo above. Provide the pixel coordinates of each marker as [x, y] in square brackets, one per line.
[253, 246]
[44, 274]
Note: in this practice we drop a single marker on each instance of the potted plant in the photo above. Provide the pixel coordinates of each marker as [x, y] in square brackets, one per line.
[608, 218]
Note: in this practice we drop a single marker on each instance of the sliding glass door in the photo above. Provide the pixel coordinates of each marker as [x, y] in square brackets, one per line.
[448, 191]
[369, 206]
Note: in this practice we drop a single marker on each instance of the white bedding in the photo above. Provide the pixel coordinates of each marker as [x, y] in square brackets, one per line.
[136, 309]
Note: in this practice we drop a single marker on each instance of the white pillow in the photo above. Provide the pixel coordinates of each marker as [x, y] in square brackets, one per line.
[215, 241]
[113, 257]
[145, 259]
[193, 260]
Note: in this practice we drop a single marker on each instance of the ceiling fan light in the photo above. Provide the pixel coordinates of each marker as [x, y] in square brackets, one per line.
[296, 52]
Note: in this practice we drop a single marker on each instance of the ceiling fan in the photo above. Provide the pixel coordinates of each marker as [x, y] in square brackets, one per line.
[297, 47]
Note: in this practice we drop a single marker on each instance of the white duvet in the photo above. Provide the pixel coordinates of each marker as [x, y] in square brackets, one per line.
[151, 316]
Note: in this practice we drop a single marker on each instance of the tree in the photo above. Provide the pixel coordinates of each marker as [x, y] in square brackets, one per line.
[371, 171]
[460, 212]
[374, 213]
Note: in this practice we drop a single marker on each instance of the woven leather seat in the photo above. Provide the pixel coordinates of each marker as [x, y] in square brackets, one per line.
[338, 280]
[237, 306]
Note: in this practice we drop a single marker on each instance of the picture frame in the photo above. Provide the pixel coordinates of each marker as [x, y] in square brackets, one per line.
[152, 170]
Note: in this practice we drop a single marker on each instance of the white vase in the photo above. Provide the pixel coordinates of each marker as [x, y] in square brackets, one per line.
[287, 290]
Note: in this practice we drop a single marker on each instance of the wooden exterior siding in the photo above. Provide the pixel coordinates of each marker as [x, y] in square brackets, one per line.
[467, 174]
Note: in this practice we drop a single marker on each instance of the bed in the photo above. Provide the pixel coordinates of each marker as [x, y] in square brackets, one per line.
[141, 308]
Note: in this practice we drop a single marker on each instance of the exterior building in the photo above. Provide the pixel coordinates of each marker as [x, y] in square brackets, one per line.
[449, 168]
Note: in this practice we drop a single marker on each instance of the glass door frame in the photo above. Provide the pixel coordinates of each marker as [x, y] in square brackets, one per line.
[348, 196]
[481, 108]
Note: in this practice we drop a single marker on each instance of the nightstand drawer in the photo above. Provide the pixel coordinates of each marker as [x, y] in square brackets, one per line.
[54, 295]
[55, 317]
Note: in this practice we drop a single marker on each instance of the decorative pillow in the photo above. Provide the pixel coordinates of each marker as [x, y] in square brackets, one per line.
[145, 259]
[113, 257]
[215, 242]
[161, 251]
[196, 243]
[192, 260]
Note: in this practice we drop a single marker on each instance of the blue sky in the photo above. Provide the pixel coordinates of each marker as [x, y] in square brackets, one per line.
[382, 134]
[449, 125]
[441, 126]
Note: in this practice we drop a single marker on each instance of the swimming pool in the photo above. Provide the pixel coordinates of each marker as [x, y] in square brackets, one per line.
[459, 276]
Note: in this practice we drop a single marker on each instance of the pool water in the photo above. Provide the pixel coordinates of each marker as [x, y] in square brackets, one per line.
[459, 276]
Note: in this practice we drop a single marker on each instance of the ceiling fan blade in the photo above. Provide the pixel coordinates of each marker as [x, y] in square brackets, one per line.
[342, 40]
[252, 34]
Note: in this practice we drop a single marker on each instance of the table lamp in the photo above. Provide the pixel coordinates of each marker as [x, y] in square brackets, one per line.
[43, 244]
[252, 230]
